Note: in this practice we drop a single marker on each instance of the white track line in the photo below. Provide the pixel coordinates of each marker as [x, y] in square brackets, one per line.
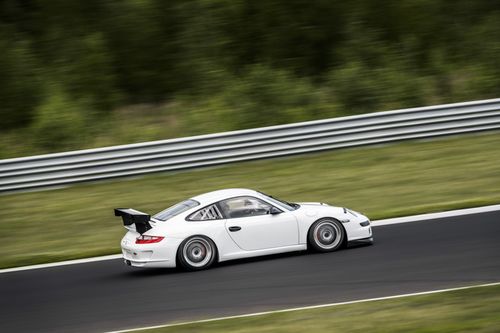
[406, 219]
[431, 216]
[61, 263]
[306, 308]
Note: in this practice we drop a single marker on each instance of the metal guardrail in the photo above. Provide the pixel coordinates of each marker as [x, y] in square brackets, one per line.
[206, 150]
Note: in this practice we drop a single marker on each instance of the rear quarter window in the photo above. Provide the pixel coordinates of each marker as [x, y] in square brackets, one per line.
[208, 213]
[176, 209]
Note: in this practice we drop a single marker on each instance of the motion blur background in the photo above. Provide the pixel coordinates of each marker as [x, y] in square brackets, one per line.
[81, 74]
[78, 74]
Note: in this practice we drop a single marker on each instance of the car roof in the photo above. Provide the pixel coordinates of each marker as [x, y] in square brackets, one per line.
[218, 195]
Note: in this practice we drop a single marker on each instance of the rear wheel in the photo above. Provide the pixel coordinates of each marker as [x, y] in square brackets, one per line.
[196, 253]
[326, 235]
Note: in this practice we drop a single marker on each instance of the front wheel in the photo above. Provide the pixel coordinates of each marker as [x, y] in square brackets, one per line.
[326, 235]
[196, 253]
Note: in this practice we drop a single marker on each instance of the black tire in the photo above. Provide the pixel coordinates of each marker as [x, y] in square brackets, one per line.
[196, 253]
[326, 235]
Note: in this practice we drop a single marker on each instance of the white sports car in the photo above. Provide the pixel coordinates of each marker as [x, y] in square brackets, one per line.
[235, 223]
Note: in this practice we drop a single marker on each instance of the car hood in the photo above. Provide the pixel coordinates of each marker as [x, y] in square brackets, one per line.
[313, 204]
[318, 208]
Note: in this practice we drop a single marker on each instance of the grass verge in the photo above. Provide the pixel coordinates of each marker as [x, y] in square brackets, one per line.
[381, 181]
[471, 310]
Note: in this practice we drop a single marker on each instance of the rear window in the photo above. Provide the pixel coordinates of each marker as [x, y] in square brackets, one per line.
[175, 210]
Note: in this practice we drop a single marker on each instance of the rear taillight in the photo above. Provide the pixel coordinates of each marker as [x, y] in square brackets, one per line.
[145, 239]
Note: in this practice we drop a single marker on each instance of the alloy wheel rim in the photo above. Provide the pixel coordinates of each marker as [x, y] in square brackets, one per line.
[327, 235]
[197, 252]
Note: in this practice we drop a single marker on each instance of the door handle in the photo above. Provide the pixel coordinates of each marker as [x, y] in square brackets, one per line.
[235, 228]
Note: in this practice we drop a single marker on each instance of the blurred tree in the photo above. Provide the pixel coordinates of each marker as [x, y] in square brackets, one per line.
[19, 84]
[244, 63]
[143, 39]
[85, 68]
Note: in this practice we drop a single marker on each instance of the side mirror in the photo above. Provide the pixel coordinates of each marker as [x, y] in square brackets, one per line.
[274, 211]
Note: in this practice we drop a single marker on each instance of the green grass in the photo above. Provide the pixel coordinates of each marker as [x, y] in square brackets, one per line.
[472, 310]
[380, 181]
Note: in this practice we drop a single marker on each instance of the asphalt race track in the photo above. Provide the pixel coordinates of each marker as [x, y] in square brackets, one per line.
[107, 295]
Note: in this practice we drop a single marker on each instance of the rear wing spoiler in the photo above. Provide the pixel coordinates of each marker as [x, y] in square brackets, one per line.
[131, 216]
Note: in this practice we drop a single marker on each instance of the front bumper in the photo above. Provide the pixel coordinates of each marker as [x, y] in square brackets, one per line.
[162, 254]
[361, 241]
[359, 229]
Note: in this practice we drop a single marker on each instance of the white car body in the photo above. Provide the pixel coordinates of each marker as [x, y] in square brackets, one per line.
[259, 235]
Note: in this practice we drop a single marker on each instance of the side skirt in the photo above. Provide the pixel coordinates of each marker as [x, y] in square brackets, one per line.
[265, 252]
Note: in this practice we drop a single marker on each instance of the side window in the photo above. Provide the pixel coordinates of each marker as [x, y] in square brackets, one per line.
[244, 207]
[208, 213]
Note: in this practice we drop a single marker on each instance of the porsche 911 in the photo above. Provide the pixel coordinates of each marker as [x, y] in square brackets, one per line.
[232, 224]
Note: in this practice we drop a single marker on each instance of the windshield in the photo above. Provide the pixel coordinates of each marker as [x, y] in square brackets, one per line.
[176, 209]
[282, 203]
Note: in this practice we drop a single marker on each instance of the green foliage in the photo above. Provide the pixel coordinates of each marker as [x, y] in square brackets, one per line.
[238, 64]
[362, 89]
[59, 122]
[86, 71]
[19, 89]
[260, 96]
[265, 97]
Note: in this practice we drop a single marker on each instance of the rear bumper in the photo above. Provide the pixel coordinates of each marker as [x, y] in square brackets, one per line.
[151, 264]
[162, 254]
